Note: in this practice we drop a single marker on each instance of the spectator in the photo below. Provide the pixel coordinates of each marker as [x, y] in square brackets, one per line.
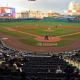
[59, 70]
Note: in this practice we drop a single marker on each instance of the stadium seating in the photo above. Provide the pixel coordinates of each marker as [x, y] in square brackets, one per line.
[14, 65]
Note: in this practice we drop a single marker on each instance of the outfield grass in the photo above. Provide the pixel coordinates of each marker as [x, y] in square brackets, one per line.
[37, 23]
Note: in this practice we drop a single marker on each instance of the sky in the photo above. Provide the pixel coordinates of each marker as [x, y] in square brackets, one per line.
[44, 5]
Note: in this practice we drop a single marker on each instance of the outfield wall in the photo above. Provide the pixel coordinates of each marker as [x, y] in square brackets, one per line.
[47, 19]
[54, 19]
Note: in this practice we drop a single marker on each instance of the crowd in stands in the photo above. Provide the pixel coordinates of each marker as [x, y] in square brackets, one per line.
[22, 65]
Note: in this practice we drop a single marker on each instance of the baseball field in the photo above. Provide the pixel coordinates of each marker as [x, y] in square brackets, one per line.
[30, 35]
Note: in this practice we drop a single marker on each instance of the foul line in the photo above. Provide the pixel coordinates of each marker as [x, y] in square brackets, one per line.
[69, 34]
[10, 29]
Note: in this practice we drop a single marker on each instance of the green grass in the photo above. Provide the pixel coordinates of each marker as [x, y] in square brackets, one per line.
[15, 34]
[65, 42]
[56, 32]
[37, 23]
[73, 37]
[29, 40]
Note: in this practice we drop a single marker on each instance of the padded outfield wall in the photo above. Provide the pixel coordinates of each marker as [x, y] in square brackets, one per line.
[45, 19]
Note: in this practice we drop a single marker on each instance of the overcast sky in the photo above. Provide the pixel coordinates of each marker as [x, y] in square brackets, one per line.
[47, 5]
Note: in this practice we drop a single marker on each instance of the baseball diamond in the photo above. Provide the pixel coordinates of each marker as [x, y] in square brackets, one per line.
[29, 36]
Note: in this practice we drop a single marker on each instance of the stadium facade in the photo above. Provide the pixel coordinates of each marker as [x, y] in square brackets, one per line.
[73, 8]
[36, 14]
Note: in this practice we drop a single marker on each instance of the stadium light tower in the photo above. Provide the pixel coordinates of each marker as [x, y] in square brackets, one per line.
[31, 0]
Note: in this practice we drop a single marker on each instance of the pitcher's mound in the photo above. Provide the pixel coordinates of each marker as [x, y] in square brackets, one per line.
[51, 39]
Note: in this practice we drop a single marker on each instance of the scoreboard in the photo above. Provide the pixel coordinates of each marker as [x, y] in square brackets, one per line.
[7, 11]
